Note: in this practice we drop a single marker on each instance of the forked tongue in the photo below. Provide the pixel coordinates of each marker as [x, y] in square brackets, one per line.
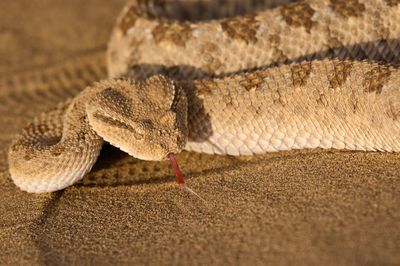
[179, 176]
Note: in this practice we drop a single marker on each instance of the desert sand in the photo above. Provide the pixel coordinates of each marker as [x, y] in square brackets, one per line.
[303, 207]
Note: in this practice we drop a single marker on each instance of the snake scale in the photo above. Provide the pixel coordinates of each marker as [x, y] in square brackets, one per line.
[309, 74]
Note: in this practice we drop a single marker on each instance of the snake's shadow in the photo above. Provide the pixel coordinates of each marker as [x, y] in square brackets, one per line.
[108, 157]
[115, 168]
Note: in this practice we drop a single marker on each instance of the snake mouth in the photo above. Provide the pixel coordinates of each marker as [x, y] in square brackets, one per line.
[179, 177]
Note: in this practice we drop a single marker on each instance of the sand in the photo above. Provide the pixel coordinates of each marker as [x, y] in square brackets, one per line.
[303, 207]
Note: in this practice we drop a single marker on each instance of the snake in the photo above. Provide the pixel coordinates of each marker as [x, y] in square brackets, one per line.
[228, 78]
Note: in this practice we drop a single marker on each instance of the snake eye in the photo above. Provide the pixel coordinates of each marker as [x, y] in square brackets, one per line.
[146, 123]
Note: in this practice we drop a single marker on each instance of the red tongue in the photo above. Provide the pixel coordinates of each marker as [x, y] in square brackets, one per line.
[179, 176]
[174, 164]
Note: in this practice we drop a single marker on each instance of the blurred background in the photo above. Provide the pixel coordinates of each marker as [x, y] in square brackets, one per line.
[39, 32]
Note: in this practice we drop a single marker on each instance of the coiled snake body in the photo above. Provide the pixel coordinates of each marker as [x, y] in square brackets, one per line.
[327, 78]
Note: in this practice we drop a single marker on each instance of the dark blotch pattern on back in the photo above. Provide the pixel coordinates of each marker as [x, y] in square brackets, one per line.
[376, 78]
[347, 8]
[142, 8]
[275, 42]
[176, 33]
[210, 53]
[129, 19]
[205, 87]
[298, 15]
[242, 28]
[338, 76]
[254, 80]
[392, 2]
[300, 73]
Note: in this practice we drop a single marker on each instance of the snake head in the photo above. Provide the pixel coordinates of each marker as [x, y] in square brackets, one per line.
[146, 119]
